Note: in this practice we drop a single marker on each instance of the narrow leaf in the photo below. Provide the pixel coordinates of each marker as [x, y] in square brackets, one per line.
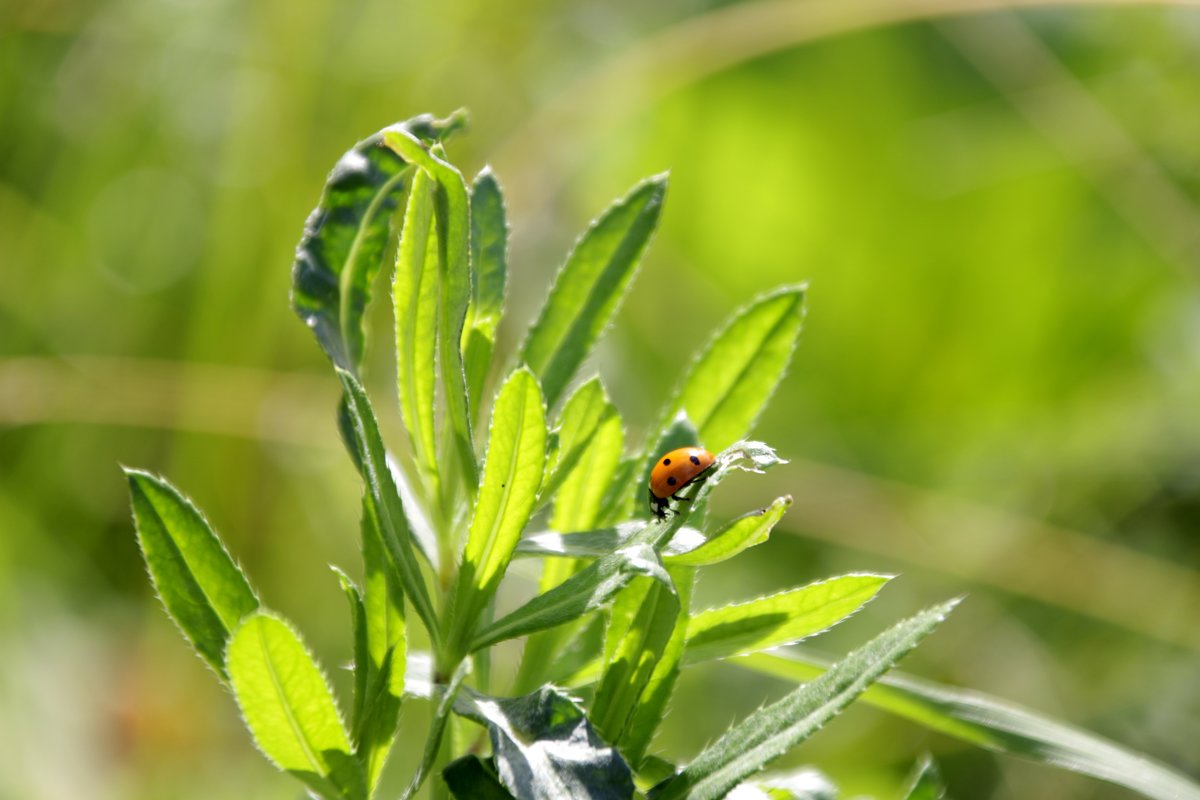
[590, 286]
[997, 725]
[203, 590]
[516, 458]
[437, 727]
[344, 239]
[604, 541]
[772, 731]
[385, 500]
[415, 303]
[489, 264]
[545, 749]
[453, 212]
[778, 619]
[740, 534]
[588, 590]
[289, 707]
[730, 382]
[361, 664]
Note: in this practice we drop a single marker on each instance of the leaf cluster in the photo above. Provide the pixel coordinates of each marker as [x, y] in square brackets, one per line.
[444, 515]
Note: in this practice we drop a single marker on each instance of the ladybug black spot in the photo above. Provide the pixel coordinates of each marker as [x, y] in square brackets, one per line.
[666, 462]
[696, 461]
[671, 481]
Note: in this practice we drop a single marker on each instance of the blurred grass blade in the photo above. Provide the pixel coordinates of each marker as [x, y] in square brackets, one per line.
[203, 590]
[545, 748]
[730, 382]
[344, 239]
[584, 413]
[469, 778]
[589, 287]
[778, 619]
[651, 707]
[641, 626]
[452, 207]
[926, 782]
[995, 724]
[516, 458]
[386, 651]
[587, 590]
[385, 500]
[415, 302]
[740, 534]
[288, 706]
[489, 265]
[771, 731]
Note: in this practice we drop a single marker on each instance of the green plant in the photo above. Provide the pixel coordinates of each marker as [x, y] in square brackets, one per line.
[612, 621]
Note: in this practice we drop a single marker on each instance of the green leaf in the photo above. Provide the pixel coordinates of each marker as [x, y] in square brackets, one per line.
[545, 749]
[587, 590]
[469, 778]
[203, 590]
[778, 619]
[730, 382]
[288, 706]
[639, 631]
[584, 414]
[437, 727]
[516, 458]
[805, 783]
[489, 263]
[385, 501]
[361, 664]
[997, 725]
[926, 782]
[453, 214]
[651, 707]
[740, 534]
[771, 731]
[344, 239]
[589, 287]
[386, 651]
[415, 302]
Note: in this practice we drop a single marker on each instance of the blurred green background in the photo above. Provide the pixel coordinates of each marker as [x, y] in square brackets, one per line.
[996, 392]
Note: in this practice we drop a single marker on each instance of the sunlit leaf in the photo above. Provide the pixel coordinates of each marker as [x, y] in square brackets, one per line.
[589, 287]
[288, 706]
[512, 474]
[585, 414]
[778, 619]
[732, 379]
[203, 590]
[771, 731]
[740, 534]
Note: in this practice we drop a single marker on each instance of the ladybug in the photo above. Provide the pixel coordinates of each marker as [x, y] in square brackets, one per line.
[672, 472]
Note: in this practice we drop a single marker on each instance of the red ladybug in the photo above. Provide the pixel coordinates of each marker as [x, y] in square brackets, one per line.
[672, 472]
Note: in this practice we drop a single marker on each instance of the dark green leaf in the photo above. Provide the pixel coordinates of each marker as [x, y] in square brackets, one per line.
[288, 706]
[469, 778]
[545, 749]
[772, 731]
[344, 239]
[996, 725]
[590, 286]
[926, 782]
[203, 590]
